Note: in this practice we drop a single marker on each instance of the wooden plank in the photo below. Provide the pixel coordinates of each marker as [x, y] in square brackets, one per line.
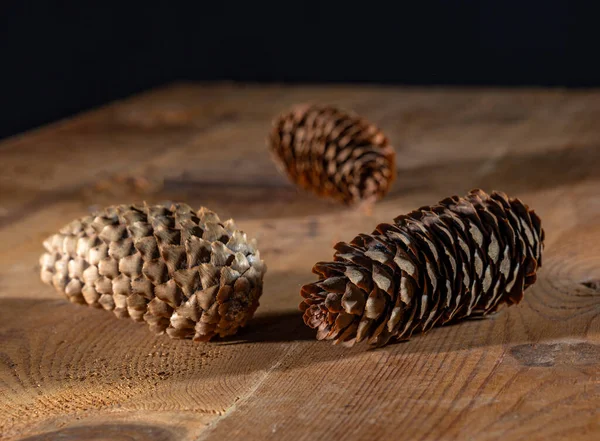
[529, 372]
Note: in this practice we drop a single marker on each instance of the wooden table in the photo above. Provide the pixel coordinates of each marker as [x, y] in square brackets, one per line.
[530, 372]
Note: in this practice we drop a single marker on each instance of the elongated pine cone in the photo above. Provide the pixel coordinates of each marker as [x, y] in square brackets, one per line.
[462, 257]
[333, 153]
[180, 271]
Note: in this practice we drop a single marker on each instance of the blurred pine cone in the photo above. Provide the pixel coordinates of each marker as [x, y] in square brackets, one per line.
[462, 257]
[180, 271]
[333, 153]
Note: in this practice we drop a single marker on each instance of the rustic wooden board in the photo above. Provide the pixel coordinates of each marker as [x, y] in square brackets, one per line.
[529, 372]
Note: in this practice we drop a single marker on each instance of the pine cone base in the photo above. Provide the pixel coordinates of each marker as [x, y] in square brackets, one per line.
[463, 257]
[182, 272]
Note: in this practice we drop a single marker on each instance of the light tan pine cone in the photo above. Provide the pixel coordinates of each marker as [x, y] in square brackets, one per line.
[180, 271]
[462, 257]
[333, 153]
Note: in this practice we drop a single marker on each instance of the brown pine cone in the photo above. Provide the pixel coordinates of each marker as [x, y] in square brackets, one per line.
[334, 154]
[462, 257]
[180, 271]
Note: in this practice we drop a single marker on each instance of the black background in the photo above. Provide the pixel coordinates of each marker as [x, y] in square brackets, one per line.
[58, 58]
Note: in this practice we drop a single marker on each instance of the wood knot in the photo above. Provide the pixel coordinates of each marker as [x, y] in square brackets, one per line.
[554, 354]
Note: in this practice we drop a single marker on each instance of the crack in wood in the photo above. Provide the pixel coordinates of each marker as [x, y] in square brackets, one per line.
[239, 401]
[592, 284]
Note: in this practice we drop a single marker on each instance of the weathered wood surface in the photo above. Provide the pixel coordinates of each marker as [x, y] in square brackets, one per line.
[529, 372]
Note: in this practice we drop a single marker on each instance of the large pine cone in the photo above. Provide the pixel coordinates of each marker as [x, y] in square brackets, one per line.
[183, 272]
[462, 257]
[333, 153]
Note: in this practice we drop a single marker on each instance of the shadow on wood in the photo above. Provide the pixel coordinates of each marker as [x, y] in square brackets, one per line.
[286, 326]
[115, 432]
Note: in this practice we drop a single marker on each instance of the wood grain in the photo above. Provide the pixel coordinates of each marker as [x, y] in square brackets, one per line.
[529, 372]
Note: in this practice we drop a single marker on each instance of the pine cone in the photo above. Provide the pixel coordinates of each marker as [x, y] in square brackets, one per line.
[460, 258]
[333, 153]
[182, 272]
